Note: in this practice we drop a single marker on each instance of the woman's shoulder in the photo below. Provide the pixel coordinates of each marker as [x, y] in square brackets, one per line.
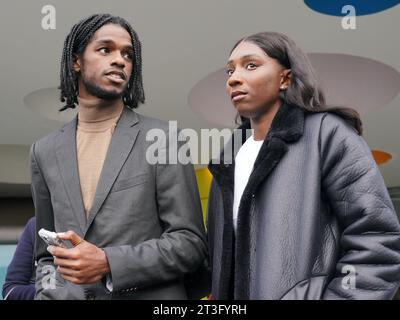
[330, 123]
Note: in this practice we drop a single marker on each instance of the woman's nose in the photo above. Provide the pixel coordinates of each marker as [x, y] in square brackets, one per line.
[235, 79]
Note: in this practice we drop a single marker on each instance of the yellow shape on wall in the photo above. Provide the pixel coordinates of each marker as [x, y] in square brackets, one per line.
[204, 178]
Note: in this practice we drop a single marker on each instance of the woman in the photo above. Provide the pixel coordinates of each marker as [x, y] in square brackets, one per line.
[303, 212]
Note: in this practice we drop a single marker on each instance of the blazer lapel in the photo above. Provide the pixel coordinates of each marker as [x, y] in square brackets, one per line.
[121, 145]
[67, 162]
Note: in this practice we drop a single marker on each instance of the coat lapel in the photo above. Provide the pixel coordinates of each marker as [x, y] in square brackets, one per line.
[68, 166]
[120, 147]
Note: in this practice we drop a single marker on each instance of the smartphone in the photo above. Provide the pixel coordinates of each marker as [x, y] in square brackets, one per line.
[51, 238]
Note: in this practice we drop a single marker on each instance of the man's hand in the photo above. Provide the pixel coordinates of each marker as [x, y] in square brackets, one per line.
[83, 264]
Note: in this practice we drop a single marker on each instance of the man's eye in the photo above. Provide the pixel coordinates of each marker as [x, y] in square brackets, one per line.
[104, 50]
[229, 72]
[128, 55]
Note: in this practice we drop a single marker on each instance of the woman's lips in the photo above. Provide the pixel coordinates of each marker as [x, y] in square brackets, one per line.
[238, 97]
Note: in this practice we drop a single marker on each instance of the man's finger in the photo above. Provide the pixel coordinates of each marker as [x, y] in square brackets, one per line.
[66, 263]
[67, 272]
[71, 279]
[60, 252]
[71, 236]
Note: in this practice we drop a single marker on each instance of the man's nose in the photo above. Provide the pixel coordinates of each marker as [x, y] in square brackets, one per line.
[118, 60]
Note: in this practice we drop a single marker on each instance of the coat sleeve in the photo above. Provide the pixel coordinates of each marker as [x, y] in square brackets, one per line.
[18, 285]
[369, 262]
[181, 248]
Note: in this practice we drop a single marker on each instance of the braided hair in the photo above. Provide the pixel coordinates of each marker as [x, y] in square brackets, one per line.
[75, 44]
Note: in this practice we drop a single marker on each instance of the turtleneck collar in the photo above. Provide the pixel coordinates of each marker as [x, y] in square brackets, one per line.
[98, 110]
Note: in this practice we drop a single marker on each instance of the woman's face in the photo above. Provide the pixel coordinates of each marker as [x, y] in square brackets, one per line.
[255, 80]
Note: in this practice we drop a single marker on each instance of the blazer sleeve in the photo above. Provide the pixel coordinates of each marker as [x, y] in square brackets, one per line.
[369, 263]
[180, 250]
[49, 284]
[18, 284]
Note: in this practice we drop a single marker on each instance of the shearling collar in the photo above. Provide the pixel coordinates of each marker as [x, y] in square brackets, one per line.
[288, 125]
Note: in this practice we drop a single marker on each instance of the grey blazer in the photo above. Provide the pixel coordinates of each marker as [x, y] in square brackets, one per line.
[146, 217]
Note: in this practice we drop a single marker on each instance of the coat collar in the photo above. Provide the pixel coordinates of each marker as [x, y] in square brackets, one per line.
[120, 146]
[288, 126]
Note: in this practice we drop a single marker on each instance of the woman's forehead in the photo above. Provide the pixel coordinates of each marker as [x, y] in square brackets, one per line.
[245, 50]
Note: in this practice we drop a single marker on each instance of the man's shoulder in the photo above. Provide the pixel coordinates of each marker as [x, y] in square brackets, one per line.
[148, 123]
[45, 143]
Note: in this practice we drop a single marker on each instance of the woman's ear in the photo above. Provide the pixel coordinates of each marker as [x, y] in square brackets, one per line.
[77, 63]
[286, 77]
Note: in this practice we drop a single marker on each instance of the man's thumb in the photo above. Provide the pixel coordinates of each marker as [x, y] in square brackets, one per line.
[71, 236]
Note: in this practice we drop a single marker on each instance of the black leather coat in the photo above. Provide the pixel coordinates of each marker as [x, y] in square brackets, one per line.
[315, 220]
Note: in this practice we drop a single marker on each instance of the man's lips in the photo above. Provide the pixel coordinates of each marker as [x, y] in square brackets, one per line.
[238, 95]
[116, 76]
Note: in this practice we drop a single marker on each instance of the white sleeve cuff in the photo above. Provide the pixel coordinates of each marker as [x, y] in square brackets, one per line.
[109, 284]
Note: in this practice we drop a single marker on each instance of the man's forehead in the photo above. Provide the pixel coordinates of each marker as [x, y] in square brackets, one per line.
[110, 32]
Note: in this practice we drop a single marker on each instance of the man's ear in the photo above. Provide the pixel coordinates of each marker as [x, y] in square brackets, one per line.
[77, 63]
[286, 78]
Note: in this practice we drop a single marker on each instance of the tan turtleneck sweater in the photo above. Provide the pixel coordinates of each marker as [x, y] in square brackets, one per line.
[96, 124]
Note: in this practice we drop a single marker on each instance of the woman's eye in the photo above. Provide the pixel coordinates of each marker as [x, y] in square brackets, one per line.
[251, 66]
[229, 72]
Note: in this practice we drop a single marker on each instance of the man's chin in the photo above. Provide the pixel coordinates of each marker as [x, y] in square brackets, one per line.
[108, 95]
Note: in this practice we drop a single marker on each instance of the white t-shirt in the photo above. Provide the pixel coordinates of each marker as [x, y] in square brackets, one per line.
[244, 163]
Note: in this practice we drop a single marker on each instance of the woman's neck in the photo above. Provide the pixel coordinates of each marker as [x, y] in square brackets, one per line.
[262, 124]
[95, 110]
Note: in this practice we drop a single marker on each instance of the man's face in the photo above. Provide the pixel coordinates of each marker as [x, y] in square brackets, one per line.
[105, 66]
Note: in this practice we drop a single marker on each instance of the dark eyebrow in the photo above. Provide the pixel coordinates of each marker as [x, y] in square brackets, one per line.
[245, 57]
[111, 42]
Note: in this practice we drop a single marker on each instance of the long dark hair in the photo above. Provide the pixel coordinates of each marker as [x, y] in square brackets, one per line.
[75, 44]
[303, 90]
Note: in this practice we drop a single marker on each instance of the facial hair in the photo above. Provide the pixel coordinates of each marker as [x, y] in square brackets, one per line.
[98, 91]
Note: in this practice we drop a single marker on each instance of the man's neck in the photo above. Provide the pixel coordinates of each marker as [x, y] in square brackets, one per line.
[95, 110]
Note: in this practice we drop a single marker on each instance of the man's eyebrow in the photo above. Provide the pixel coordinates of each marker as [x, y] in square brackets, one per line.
[247, 56]
[110, 42]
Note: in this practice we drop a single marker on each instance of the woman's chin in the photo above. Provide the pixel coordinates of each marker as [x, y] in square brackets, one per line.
[246, 112]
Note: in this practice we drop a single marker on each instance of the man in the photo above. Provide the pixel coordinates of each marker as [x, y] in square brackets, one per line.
[135, 229]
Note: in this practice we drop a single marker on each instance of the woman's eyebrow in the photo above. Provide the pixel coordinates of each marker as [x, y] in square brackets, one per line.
[245, 57]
